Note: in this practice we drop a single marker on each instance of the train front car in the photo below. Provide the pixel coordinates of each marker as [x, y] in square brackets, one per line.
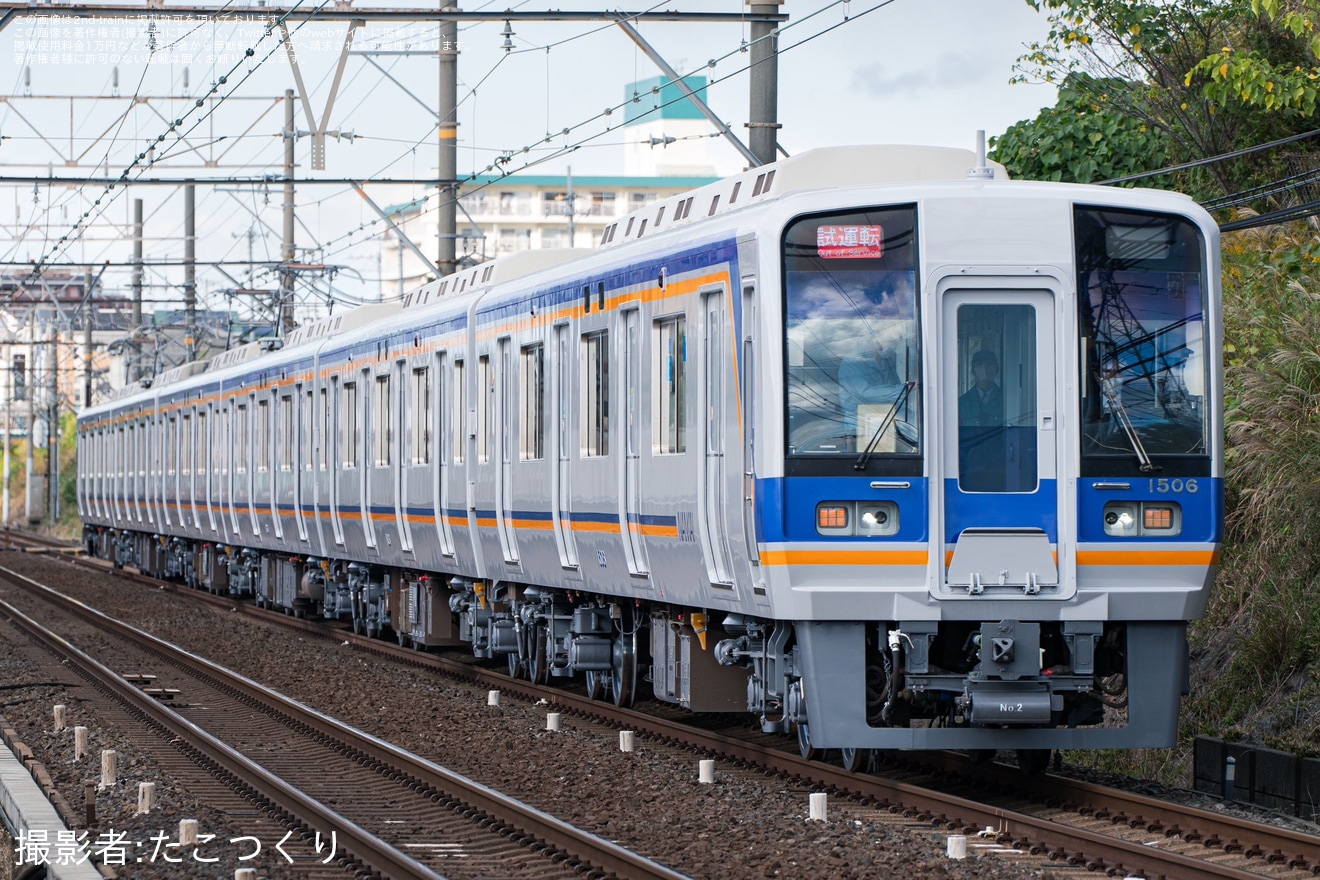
[999, 496]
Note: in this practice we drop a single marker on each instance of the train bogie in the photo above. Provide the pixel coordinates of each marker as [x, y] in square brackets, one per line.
[886, 457]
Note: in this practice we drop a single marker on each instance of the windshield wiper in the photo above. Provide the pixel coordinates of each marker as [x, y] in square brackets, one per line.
[1109, 387]
[884, 424]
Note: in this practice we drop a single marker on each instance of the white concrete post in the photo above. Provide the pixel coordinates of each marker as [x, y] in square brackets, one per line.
[146, 796]
[108, 760]
[79, 742]
[59, 716]
[706, 771]
[625, 740]
[818, 806]
[187, 832]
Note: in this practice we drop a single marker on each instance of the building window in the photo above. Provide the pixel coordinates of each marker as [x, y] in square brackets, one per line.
[420, 412]
[533, 402]
[596, 394]
[602, 204]
[670, 382]
[557, 204]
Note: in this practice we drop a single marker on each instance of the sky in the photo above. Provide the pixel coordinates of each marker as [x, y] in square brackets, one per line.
[865, 71]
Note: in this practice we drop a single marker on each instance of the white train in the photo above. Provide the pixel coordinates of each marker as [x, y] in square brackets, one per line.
[889, 452]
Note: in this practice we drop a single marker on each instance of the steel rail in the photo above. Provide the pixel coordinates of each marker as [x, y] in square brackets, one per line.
[1038, 834]
[600, 853]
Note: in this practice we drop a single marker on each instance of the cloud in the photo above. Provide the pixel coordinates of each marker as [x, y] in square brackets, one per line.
[949, 70]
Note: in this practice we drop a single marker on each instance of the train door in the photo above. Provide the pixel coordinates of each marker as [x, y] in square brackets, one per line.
[632, 412]
[301, 441]
[376, 392]
[715, 365]
[336, 438]
[1000, 459]
[563, 390]
[440, 421]
[505, 431]
[406, 448]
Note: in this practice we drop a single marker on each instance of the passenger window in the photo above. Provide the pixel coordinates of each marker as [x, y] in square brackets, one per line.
[351, 426]
[670, 381]
[533, 402]
[596, 394]
[383, 424]
[420, 412]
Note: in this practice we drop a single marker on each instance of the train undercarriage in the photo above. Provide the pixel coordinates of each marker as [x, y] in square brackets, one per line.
[921, 677]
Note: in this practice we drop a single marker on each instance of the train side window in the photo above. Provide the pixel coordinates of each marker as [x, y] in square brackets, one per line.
[670, 381]
[285, 439]
[263, 435]
[533, 402]
[484, 392]
[382, 423]
[460, 414]
[172, 446]
[323, 455]
[420, 411]
[596, 394]
[241, 441]
[306, 419]
[226, 438]
[351, 425]
[203, 443]
[186, 444]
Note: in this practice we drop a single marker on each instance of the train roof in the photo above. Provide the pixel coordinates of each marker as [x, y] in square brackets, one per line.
[824, 168]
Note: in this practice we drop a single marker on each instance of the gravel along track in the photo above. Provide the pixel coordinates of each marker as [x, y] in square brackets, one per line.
[746, 825]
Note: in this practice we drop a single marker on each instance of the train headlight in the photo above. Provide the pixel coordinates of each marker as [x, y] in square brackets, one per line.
[1130, 519]
[862, 518]
[877, 518]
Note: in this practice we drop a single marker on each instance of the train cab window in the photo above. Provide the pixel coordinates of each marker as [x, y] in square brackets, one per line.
[669, 378]
[853, 341]
[533, 403]
[1144, 372]
[419, 410]
[595, 394]
[352, 425]
[263, 435]
[382, 423]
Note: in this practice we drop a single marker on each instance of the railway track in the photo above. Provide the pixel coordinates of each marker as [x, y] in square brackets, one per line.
[1082, 824]
[308, 761]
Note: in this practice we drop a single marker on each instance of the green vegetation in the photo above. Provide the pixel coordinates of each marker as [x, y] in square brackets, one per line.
[1187, 80]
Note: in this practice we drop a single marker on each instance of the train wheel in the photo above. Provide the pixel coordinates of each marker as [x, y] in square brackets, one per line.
[596, 685]
[516, 668]
[805, 748]
[854, 759]
[538, 664]
[623, 660]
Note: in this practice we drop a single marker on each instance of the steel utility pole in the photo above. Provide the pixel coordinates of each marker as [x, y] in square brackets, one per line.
[87, 339]
[135, 356]
[53, 427]
[763, 121]
[284, 312]
[447, 170]
[190, 269]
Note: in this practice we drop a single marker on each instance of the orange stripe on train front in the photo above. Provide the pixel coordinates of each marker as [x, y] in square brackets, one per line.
[1147, 557]
[844, 557]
